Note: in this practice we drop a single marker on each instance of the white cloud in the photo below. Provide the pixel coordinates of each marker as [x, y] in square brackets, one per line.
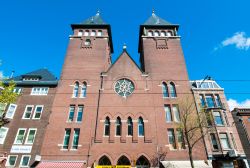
[234, 103]
[239, 39]
[1, 74]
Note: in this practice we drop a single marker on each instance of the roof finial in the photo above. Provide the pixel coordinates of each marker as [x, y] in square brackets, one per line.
[124, 46]
[153, 11]
[98, 12]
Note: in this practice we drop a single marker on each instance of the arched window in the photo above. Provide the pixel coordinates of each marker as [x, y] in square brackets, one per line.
[104, 160]
[86, 33]
[165, 90]
[163, 33]
[107, 127]
[76, 89]
[99, 33]
[150, 33]
[142, 162]
[172, 90]
[157, 33]
[87, 42]
[140, 127]
[80, 32]
[118, 125]
[84, 89]
[123, 160]
[130, 126]
[92, 33]
[169, 33]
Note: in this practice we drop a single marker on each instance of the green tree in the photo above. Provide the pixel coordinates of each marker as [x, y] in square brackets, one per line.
[194, 124]
[7, 96]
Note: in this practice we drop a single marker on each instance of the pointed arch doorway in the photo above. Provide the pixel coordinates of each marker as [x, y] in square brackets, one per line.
[123, 160]
[142, 162]
[104, 160]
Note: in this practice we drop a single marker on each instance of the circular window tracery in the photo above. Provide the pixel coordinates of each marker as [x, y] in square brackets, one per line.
[124, 87]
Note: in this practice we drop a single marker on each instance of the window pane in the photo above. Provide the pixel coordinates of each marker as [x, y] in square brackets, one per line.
[168, 113]
[106, 127]
[210, 101]
[80, 113]
[25, 161]
[76, 138]
[12, 160]
[3, 133]
[180, 139]
[214, 141]
[66, 139]
[165, 90]
[31, 136]
[218, 102]
[11, 111]
[38, 112]
[217, 118]
[171, 138]
[176, 113]
[172, 90]
[84, 90]
[224, 141]
[71, 113]
[20, 136]
[28, 112]
[140, 127]
[203, 104]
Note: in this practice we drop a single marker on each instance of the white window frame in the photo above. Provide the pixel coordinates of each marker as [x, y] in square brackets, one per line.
[23, 135]
[99, 33]
[7, 129]
[93, 33]
[11, 117]
[22, 161]
[26, 140]
[26, 110]
[39, 92]
[7, 163]
[78, 111]
[34, 113]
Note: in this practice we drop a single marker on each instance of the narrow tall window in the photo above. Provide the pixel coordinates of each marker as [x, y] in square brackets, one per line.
[225, 116]
[224, 141]
[217, 100]
[66, 139]
[76, 89]
[27, 112]
[25, 161]
[168, 113]
[176, 113]
[71, 113]
[165, 90]
[86, 33]
[31, 136]
[107, 127]
[118, 126]
[84, 89]
[99, 33]
[202, 100]
[130, 126]
[217, 118]
[163, 33]
[180, 139]
[11, 111]
[214, 141]
[38, 112]
[172, 90]
[171, 138]
[156, 33]
[233, 140]
[92, 33]
[140, 127]
[11, 161]
[80, 33]
[80, 113]
[20, 136]
[210, 101]
[76, 138]
[3, 134]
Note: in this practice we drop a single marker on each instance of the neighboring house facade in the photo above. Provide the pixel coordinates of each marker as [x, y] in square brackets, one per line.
[222, 142]
[241, 118]
[119, 114]
[22, 137]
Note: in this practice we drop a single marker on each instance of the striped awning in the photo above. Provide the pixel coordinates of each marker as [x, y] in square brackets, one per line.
[186, 164]
[60, 164]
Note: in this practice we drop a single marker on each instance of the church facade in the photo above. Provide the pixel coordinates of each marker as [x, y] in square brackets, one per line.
[119, 114]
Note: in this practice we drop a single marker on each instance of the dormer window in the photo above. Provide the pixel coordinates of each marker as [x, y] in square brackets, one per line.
[169, 33]
[92, 33]
[80, 33]
[30, 79]
[99, 33]
[150, 33]
[86, 33]
[163, 33]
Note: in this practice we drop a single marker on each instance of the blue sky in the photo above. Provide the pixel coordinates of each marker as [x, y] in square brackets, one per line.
[215, 35]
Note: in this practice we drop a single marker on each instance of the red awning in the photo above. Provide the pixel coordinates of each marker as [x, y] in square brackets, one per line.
[61, 164]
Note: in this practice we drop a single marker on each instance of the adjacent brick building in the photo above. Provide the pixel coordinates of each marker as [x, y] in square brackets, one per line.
[222, 142]
[241, 118]
[119, 114]
[21, 138]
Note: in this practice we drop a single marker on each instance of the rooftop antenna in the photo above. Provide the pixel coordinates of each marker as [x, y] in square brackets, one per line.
[206, 78]
[12, 74]
[124, 46]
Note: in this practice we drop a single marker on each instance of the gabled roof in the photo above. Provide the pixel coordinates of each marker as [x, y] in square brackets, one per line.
[124, 51]
[44, 77]
[156, 20]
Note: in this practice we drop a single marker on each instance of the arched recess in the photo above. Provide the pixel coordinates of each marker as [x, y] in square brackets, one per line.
[104, 160]
[123, 160]
[142, 162]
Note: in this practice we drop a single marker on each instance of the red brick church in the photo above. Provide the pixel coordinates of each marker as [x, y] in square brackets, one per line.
[120, 113]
